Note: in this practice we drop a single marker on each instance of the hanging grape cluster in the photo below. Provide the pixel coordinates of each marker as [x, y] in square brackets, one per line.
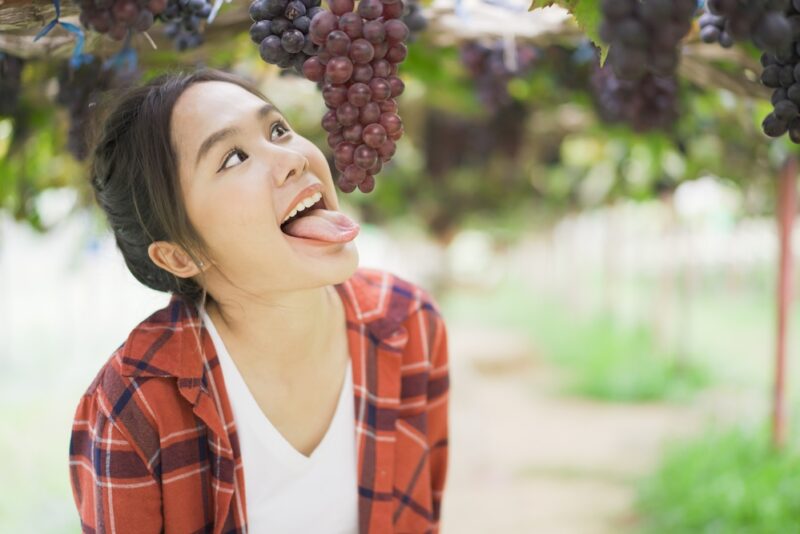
[782, 73]
[491, 71]
[414, 19]
[357, 65]
[79, 90]
[763, 21]
[117, 17]
[10, 82]
[644, 35]
[184, 21]
[712, 30]
[649, 103]
[280, 28]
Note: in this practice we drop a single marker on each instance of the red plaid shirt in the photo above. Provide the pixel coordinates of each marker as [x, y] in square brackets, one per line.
[154, 445]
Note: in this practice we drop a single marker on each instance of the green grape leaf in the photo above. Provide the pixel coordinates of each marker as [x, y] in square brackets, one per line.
[587, 15]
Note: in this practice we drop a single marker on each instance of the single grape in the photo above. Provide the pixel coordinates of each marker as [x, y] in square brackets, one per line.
[367, 184]
[361, 51]
[353, 133]
[370, 9]
[347, 114]
[381, 90]
[337, 43]
[338, 70]
[364, 156]
[374, 135]
[359, 94]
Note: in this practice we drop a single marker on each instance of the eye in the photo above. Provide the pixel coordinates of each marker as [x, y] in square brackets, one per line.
[236, 150]
[281, 125]
[233, 152]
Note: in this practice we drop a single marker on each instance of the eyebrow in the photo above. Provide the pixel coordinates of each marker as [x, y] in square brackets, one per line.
[224, 133]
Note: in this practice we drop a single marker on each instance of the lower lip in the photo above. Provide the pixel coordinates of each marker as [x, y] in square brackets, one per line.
[312, 242]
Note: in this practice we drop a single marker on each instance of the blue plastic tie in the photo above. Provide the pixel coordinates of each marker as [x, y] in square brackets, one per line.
[78, 57]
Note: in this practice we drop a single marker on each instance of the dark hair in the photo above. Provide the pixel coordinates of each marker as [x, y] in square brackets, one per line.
[134, 176]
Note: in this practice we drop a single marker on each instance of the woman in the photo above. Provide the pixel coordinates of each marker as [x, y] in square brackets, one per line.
[282, 389]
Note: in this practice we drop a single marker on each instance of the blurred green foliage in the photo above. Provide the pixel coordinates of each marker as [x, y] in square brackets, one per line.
[727, 481]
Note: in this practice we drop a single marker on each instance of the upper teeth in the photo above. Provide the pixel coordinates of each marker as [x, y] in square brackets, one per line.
[303, 204]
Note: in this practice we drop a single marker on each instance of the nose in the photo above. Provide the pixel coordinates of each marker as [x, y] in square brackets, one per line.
[291, 164]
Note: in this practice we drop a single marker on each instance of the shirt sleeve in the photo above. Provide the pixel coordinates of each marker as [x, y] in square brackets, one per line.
[113, 487]
[438, 401]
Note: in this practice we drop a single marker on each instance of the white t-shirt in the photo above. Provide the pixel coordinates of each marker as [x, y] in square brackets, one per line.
[286, 491]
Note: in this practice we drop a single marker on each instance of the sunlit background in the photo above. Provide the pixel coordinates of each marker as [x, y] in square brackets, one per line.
[611, 295]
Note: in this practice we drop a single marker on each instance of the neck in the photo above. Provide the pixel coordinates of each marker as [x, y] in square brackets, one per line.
[282, 332]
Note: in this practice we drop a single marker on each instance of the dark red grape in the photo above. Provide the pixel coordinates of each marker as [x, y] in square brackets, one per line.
[313, 70]
[344, 153]
[329, 121]
[381, 90]
[367, 184]
[353, 133]
[362, 73]
[321, 25]
[337, 43]
[370, 9]
[338, 70]
[359, 94]
[396, 31]
[340, 7]
[354, 174]
[387, 150]
[397, 53]
[361, 51]
[374, 135]
[374, 32]
[351, 23]
[391, 122]
[365, 157]
[389, 105]
[370, 113]
[396, 85]
[393, 10]
[334, 95]
[381, 68]
[347, 114]
[335, 139]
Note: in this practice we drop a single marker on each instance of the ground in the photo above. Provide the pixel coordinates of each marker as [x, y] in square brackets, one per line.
[526, 458]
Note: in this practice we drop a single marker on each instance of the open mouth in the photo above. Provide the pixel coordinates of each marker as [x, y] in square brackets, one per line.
[319, 205]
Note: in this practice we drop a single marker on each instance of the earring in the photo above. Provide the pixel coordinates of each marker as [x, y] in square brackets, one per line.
[201, 263]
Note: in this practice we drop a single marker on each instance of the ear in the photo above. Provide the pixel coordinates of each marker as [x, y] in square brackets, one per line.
[172, 258]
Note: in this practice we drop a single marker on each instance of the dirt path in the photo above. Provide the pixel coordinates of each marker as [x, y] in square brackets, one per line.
[526, 459]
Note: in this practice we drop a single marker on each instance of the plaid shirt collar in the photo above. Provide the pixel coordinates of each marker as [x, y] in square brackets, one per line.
[174, 352]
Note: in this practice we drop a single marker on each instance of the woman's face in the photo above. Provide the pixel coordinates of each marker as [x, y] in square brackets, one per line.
[238, 190]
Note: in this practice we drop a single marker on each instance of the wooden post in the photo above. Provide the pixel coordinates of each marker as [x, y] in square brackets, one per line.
[787, 208]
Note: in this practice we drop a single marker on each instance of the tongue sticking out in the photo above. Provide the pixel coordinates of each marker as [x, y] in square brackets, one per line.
[323, 225]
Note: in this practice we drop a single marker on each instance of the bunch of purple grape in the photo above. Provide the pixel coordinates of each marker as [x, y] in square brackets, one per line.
[644, 36]
[488, 68]
[81, 89]
[782, 73]
[117, 17]
[10, 82]
[280, 28]
[712, 30]
[414, 19]
[763, 21]
[649, 103]
[184, 20]
[357, 65]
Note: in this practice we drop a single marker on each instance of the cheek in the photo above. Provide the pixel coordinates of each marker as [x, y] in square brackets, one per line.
[234, 206]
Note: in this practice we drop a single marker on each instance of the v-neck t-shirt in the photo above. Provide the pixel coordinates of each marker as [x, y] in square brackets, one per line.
[286, 491]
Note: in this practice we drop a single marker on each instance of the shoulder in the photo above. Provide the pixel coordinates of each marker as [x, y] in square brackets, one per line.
[137, 399]
[388, 302]
[381, 293]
